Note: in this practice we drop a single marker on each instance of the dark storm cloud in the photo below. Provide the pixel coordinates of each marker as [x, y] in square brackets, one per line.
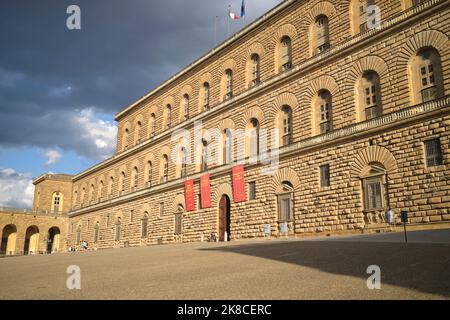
[48, 74]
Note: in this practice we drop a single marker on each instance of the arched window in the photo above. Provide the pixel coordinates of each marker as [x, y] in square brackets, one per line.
[117, 230]
[96, 232]
[206, 96]
[227, 146]
[75, 198]
[204, 165]
[183, 162]
[135, 178]
[253, 141]
[91, 194]
[371, 95]
[321, 32]
[137, 132]
[152, 125]
[228, 84]
[78, 239]
[125, 139]
[100, 190]
[111, 187]
[165, 168]
[57, 202]
[373, 183]
[186, 106]
[287, 125]
[122, 182]
[144, 226]
[286, 203]
[149, 171]
[255, 68]
[325, 111]
[426, 74]
[286, 53]
[83, 196]
[168, 116]
[364, 14]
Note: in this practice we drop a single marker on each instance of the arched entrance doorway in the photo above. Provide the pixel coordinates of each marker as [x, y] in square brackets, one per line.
[224, 218]
[31, 240]
[53, 239]
[9, 236]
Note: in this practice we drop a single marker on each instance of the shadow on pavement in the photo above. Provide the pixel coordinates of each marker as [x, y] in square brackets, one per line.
[421, 267]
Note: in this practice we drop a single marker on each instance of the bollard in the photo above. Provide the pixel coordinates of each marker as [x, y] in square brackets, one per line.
[201, 238]
[225, 237]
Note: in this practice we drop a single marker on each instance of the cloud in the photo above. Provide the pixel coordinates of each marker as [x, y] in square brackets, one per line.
[51, 77]
[16, 189]
[53, 157]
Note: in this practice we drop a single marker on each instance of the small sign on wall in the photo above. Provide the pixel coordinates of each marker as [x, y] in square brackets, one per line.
[267, 230]
[284, 228]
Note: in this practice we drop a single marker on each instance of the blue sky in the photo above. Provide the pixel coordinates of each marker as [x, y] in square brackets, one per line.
[60, 88]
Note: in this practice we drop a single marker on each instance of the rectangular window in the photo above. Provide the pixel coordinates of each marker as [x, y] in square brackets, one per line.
[178, 223]
[285, 208]
[365, 14]
[161, 209]
[96, 235]
[144, 228]
[117, 235]
[325, 176]
[433, 152]
[206, 97]
[373, 192]
[286, 54]
[229, 84]
[429, 89]
[252, 190]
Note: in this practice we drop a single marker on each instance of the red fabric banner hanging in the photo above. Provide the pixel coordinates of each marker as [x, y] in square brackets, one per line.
[205, 191]
[239, 184]
[189, 195]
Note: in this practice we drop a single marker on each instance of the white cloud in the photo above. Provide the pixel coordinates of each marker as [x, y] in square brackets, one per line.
[97, 133]
[53, 156]
[16, 189]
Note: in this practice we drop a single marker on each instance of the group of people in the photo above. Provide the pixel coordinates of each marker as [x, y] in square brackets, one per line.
[83, 247]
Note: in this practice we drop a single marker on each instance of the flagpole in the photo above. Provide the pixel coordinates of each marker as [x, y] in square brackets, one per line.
[215, 30]
[229, 18]
[243, 11]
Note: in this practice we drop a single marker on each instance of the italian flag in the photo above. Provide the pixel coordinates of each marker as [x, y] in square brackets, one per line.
[233, 16]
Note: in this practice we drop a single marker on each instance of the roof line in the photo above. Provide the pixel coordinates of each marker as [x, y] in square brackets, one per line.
[210, 53]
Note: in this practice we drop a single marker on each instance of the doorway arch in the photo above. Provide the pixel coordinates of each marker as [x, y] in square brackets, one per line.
[224, 218]
[8, 243]
[53, 239]
[31, 245]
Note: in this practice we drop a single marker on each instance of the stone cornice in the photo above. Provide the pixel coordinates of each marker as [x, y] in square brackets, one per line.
[396, 118]
[305, 66]
[49, 176]
[4, 210]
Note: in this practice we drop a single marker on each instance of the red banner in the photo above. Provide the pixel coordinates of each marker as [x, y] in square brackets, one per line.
[189, 195]
[205, 191]
[239, 184]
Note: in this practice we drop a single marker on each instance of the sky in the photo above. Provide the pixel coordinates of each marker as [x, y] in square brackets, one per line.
[60, 88]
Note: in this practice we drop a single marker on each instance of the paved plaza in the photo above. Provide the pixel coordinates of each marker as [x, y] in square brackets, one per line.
[317, 268]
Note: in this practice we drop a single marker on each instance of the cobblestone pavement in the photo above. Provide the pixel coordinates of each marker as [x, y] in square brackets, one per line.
[319, 268]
